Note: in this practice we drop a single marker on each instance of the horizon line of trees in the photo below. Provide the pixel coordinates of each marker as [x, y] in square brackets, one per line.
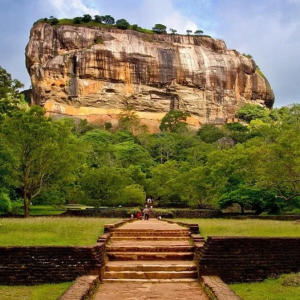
[254, 163]
[121, 24]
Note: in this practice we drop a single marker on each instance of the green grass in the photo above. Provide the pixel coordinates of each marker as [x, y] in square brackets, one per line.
[38, 292]
[48, 231]
[46, 210]
[270, 289]
[262, 228]
[36, 210]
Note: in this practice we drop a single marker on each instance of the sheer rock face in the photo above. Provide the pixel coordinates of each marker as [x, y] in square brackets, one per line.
[94, 73]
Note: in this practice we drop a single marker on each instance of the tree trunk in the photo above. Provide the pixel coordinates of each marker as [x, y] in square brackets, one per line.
[26, 204]
[242, 208]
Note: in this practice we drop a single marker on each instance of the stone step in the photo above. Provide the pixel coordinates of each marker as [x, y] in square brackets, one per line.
[146, 233]
[161, 248]
[147, 266]
[151, 238]
[150, 274]
[176, 280]
[150, 255]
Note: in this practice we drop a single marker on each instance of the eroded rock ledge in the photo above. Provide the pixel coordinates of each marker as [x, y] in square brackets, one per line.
[94, 73]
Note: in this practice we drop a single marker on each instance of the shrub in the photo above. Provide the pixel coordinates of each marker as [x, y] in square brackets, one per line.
[5, 204]
[251, 112]
[54, 21]
[122, 24]
[210, 133]
[77, 20]
[159, 28]
[17, 207]
[86, 18]
[108, 125]
[291, 280]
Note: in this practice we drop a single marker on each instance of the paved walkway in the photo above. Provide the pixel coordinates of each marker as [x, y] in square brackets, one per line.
[145, 291]
[151, 224]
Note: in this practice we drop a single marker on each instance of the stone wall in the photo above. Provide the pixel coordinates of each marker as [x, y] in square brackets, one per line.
[125, 213]
[246, 259]
[255, 217]
[36, 265]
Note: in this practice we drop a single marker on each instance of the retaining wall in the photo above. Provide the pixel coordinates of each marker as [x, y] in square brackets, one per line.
[125, 213]
[36, 265]
[255, 217]
[246, 259]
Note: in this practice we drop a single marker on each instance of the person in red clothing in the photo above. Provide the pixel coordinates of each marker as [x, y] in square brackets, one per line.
[138, 215]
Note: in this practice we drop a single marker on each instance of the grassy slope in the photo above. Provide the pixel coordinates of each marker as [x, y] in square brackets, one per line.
[38, 292]
[263, 228]
[51, 231]
[270, 289]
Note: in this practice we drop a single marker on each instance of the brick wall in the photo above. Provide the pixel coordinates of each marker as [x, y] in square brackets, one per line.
[35, 265]
[125, 213]
[242, 259]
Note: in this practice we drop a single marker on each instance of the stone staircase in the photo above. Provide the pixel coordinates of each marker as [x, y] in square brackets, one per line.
[150, 255]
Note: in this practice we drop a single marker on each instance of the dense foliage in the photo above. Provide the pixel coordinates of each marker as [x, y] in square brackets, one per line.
[255, 164]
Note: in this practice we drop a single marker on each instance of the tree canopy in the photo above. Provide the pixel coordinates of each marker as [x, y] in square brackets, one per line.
[10, 98]
[43, 152]
[159, 28]
[174, 121]
[47, 161]
[122, 24]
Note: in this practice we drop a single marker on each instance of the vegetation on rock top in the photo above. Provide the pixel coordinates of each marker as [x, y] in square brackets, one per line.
[108, 21]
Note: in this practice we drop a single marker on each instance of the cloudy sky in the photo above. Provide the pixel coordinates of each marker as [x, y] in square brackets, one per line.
[269, 30]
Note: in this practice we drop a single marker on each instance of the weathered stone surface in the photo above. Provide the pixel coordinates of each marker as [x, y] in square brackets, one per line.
[94, 73]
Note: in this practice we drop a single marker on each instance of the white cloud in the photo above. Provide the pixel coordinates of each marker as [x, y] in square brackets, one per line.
[164, 12]
[72, 8]
[271, 34]
[181, 23]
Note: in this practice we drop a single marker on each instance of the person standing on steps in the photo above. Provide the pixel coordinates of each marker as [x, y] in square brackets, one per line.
[146, 213]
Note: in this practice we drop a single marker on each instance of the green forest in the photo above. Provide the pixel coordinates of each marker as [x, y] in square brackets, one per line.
[254, 163]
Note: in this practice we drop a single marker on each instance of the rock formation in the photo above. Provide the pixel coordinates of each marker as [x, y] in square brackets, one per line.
[93, 73]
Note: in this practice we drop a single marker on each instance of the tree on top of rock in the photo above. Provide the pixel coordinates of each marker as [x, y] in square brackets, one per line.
[108, 19]
[122, 24]
[159, 28]
[198, 32]
[86, 18]
[98, 19]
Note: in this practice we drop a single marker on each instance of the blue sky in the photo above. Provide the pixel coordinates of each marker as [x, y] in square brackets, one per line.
[269, 30]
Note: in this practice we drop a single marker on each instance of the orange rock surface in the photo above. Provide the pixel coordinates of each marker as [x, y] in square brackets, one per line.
[74, 74]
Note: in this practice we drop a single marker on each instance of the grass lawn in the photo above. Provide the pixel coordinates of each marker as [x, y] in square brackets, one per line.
[36, 210]
[42, 231]
[270, 289]
[38, 292]
[263, 228]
